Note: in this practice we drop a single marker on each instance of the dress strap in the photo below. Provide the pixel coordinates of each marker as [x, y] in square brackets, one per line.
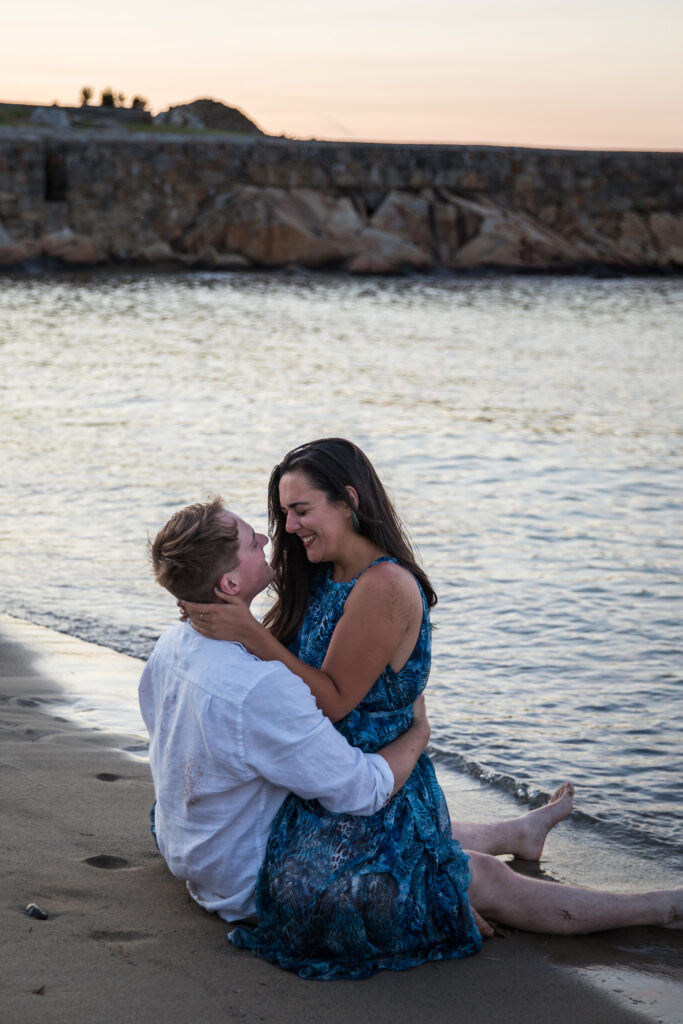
[382, 558]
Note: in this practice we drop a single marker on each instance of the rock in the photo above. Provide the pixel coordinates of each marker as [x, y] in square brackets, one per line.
[50, 117]
[15, 253]
[214, 202]
[180, 117]
[635, 244]
[381, 253]
[455, 223]
[67, 246]
[220, 260]
[667, 230]
[278, 227]
[515, 241]
[207, 113]
[407, 216]
[157, 252]
[34, 911]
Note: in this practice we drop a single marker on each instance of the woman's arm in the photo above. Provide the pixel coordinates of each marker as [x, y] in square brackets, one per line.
[380, 626]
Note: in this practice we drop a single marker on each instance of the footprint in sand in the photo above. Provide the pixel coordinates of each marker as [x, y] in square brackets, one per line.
[105, 860]
[107, 777]
[113, 936]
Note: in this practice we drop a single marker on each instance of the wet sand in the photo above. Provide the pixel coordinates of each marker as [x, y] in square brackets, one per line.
[123, 942]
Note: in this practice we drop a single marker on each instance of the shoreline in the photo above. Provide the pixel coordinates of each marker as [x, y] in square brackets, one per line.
[584, 851]
[126, 934]
[46, 265]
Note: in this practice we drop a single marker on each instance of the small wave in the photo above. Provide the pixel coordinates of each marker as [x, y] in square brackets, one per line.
[533, 796]
[136, 642]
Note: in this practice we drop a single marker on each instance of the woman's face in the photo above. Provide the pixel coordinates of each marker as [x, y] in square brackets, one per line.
[323, 526]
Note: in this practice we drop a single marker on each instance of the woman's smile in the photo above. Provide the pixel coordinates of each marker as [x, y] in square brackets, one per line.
[322, 526]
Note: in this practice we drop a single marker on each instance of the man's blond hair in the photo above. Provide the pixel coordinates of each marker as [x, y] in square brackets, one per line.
[193, 550]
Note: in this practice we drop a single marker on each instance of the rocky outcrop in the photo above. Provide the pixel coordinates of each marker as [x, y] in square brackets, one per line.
[211, 114]
[365, 209]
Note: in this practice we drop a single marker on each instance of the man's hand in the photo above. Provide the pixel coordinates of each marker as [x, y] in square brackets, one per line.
[420, 720]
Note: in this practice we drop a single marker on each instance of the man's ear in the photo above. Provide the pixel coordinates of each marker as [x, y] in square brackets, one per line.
[228, 584]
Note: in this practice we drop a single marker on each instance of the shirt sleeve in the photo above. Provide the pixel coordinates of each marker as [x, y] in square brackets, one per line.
[288, 741]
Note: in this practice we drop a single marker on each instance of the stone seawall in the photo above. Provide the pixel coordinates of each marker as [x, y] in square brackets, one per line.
[213, 202]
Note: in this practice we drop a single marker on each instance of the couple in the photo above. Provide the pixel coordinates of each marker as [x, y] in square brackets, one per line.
[338, 839]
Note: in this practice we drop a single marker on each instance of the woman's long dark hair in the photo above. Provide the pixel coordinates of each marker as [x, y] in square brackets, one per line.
[331, 465]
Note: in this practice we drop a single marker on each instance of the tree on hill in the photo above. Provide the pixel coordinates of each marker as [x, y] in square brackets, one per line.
[86, 95]
[112, 99]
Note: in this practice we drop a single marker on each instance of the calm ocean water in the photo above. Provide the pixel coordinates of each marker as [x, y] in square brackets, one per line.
[529, 430]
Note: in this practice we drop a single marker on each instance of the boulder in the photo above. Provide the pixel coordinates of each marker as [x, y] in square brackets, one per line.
[67, 246]
[635, 244]
[220, 260]
[667, 230]
[50, 117]
[407, 216]
[515, 241]
[381, 253]
[456, 222]
[278, 227]
[13, 253]
[157, 252]
[179, 117]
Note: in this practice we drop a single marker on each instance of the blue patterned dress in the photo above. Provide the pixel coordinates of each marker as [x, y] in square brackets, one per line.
[340, 896]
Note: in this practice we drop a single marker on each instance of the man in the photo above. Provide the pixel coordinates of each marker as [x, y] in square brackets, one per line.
[231, 736]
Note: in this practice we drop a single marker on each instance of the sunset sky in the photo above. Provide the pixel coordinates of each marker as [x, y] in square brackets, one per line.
[590, 73]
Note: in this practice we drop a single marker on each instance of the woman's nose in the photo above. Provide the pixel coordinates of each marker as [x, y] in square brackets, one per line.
[292, 523]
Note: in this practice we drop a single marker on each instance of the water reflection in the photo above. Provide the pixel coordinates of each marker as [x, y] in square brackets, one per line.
[528, 429]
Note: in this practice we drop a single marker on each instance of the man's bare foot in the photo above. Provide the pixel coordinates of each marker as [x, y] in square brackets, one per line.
[534, 826]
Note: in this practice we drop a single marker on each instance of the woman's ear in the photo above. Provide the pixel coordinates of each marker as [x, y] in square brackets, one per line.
[352, 495]
[228, 584]
[352, 507]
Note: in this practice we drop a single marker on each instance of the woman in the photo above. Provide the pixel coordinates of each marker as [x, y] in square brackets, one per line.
[344, 897]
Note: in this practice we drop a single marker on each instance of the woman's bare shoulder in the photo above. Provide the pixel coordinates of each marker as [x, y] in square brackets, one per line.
[390, 584]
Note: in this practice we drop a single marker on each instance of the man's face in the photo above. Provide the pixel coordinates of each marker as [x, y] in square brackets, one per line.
[252, 571]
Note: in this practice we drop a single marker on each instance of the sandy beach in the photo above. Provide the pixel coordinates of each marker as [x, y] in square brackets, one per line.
[124, 943]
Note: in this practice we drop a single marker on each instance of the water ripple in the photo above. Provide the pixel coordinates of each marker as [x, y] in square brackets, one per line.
[529, 431]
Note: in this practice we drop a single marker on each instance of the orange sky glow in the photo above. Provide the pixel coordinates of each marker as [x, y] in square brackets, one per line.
[507, 72]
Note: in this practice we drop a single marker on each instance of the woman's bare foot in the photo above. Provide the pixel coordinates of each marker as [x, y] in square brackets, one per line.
[535, 825]
[674, 916]
[523, 837]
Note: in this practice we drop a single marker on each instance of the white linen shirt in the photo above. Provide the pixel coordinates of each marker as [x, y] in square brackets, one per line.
[230, 736]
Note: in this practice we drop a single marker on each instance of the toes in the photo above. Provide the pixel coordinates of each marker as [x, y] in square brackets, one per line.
[566, 789]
